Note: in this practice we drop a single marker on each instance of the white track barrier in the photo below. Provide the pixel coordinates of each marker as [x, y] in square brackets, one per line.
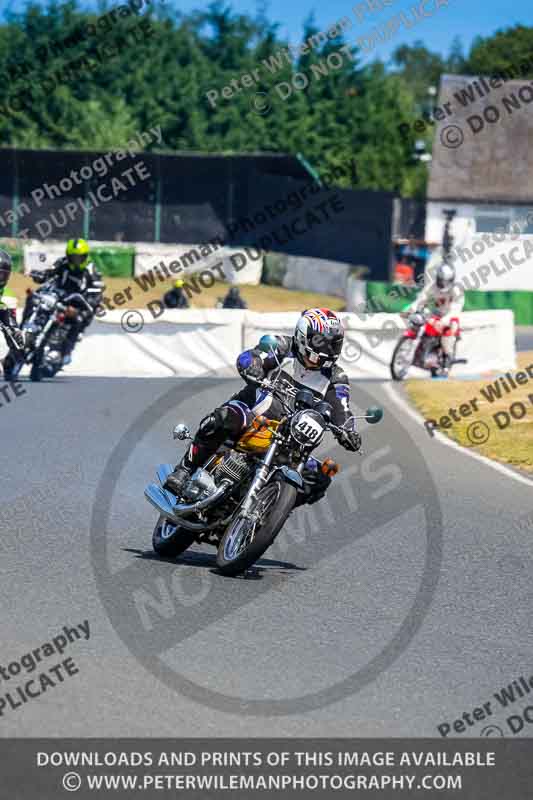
[197, 342]
[242, 268]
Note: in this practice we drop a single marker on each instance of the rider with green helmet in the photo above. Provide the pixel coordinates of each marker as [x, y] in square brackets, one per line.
[74, 274]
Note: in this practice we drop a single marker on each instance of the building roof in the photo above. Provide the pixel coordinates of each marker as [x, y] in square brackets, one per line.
[475, 160]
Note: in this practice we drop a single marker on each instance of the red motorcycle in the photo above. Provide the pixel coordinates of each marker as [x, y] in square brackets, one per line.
[420, 346]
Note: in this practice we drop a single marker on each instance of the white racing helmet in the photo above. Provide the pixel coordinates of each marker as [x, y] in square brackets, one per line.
[445, 276]
[318, 338]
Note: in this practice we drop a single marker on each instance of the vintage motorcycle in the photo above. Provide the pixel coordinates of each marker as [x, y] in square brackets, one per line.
[45, 331]
[241, 498]
[420, 346]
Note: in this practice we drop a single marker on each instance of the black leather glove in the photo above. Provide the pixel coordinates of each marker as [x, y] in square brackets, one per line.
[18, 336]
[350, 440]
[12, 335]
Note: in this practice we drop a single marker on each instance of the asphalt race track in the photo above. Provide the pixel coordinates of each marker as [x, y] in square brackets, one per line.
[402, 602]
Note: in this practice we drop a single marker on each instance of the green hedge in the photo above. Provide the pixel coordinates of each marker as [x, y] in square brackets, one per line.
[519, 302]
[115, 262]
[274, 269]
[392, 298]
[389, 297]
[17, 255]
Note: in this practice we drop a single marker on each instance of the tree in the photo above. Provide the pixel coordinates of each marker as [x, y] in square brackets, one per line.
[507, 49]
[220, 81]
[419, 69]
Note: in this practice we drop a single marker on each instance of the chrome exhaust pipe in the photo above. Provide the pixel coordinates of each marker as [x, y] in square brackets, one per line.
[179, 509]
[160, 499]
[162, 472]
[184, 509]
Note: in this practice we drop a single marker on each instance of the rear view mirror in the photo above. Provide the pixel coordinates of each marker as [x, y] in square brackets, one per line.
[268, 343]
[181, 432]
[374, 414]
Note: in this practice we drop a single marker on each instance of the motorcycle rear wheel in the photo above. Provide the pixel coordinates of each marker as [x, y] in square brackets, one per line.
[242, 543]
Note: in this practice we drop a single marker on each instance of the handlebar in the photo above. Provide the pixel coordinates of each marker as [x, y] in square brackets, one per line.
[269, 387]
[76, 296]
[372, 415]
[65, 301]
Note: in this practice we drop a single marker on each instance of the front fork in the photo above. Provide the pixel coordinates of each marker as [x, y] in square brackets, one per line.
[261, 476]
[42, 336]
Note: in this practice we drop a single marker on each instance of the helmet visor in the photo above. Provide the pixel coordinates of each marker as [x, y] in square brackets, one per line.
[327, 345]
[77, 260]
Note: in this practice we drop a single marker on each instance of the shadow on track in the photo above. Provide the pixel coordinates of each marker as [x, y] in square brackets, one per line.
[196, 558]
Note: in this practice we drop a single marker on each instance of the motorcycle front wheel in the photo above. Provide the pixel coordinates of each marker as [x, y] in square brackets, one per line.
[245, 540]
[36, 372]
[12, 367]
[169, 540]
[402, 359]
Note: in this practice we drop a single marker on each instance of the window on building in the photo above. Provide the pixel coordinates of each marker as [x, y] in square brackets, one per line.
[504, 220]
[493, 221]
[524, 218]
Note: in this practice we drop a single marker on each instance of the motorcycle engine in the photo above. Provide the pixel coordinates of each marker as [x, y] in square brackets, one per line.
[200, 486]
[233, 466]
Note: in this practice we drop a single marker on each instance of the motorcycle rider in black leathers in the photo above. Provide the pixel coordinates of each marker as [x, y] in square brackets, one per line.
[233, 299]
[176, 297]
[8, 319]
[74, 273]
[307, 360]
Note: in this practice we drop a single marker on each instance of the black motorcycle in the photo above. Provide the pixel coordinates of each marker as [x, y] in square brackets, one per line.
[45, 332]
[241, 498]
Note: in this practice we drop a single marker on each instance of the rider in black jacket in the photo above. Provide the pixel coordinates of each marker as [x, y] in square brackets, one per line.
[74, 273]
[176, 297]
[233, 299]
[307, 360]
[7, 315]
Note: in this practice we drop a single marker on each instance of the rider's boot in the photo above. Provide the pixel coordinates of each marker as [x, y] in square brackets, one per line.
[177, 479]
[67, 353]
[447, 357]
[224, 423]
[195, 457]
[182, 473]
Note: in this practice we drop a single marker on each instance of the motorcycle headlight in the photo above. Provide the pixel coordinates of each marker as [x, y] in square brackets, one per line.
[416, 319]
[308, 427]
[47, 300]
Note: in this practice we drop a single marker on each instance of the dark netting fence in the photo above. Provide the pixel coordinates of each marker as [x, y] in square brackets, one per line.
[271, 201]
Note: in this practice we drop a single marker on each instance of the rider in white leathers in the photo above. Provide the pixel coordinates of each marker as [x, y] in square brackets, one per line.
[446, 300]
